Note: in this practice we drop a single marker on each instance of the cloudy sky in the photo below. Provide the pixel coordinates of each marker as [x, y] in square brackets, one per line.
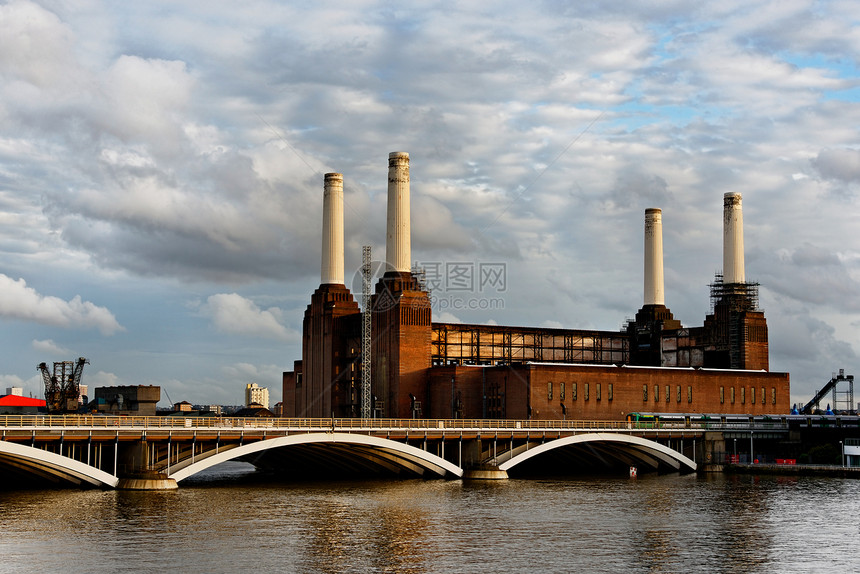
[161, 171]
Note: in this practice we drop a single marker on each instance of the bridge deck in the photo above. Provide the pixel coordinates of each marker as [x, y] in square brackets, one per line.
[67, 446]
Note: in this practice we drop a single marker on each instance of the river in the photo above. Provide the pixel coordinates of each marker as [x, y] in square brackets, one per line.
[232, 520]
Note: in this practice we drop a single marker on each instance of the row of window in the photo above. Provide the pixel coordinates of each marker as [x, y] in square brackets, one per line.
[586, 389]
[744, 393]
[732, 394]
[751, 394]
[668, 393]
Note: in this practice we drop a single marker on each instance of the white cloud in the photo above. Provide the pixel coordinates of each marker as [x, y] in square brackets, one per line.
[135, 148]
[10, 381]
[49, 346]
[233, 314]
[101, 379]
[25, 304]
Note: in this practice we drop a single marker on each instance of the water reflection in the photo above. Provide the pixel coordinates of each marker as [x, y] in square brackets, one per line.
[234, 521]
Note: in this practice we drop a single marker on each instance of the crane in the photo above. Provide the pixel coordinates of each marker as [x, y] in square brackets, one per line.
[63, 387]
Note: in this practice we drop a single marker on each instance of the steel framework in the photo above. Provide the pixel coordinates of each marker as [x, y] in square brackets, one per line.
[366, 331]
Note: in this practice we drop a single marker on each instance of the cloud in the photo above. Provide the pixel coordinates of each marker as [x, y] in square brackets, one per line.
[101, 379]
[138, 153]
[10, 381]
[233, 314]
[839, 164]
[25, 304]
[49, 346]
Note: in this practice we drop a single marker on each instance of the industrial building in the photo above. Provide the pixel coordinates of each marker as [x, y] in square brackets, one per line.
[423, 369]
[131, 400]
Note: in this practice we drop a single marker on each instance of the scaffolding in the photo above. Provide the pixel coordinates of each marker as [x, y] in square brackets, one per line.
[730, 303]
[737, 296]
[366, 332]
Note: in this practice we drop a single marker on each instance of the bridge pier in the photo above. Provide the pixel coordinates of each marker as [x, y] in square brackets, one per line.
[147, 481]
[485, 473]
[138, 463]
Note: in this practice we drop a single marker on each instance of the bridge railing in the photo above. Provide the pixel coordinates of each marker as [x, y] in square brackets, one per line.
[339, 424]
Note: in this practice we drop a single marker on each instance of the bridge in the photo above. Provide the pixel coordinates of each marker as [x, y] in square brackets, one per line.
[160, 452]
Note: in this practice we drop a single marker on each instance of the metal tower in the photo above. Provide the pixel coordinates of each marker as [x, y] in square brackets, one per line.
[365, 332]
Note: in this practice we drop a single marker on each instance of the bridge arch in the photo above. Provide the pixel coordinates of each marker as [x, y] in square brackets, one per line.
[52, 465]
[623, 447]
[380, 452]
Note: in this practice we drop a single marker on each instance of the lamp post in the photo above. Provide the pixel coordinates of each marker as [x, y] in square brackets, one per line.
[736, 450]
[752, 456]
[842, 452]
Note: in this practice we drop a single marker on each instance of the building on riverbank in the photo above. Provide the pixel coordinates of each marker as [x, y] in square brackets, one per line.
[421, 368]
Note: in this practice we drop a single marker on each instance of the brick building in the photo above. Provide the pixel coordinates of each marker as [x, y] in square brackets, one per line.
[423, 369]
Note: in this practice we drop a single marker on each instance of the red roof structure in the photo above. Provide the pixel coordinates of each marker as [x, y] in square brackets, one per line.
[19, 401]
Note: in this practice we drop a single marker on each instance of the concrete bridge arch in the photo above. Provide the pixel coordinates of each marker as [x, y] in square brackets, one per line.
[346, 450]
[53, 466]
[622, 448]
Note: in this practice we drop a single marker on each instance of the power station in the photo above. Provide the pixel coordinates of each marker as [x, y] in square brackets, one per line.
[425, 369]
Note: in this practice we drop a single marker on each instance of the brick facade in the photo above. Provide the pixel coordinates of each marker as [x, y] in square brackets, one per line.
[598, 392]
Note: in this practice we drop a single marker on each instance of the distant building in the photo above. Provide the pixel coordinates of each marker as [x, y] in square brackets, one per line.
[254, 410]
[183, 407]
[134, 400]
[255, 394]
[17, 391]
[209, 409]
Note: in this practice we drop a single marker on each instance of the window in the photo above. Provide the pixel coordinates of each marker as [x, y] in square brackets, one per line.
[573, 391]
[743, 395]
[609, 392]
[763, 396]
[549, 391]
[733, 395]
[597, 392]
[668, 393]
[679, 393]
[586, 391]
[752, 395]
[722, 395]
[689, 394]
[645, 393]
[773, 395]
[561, 391]
[656, 393]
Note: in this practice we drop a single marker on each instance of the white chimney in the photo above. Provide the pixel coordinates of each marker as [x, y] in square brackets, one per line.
[733, 239]
[332, 237]
[654, 294]
[398, 248]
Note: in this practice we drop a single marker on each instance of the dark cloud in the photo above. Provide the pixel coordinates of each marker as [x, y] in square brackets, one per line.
[839, 164]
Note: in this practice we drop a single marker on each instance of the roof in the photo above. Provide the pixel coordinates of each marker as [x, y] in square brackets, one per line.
[19, 401]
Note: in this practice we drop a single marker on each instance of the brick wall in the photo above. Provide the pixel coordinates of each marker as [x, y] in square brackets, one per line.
[597, 392]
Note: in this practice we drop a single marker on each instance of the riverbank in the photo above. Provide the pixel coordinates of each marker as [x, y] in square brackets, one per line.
[793, 469]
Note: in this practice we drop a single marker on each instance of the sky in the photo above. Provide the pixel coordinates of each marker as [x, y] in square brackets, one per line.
[162, 165]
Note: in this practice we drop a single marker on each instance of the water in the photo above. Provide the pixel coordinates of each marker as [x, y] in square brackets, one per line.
[231, 520]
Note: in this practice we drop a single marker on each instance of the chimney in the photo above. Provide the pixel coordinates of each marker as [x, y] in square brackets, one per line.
[733, 239]
[398, 249]
[654, 294]
[332, 236]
